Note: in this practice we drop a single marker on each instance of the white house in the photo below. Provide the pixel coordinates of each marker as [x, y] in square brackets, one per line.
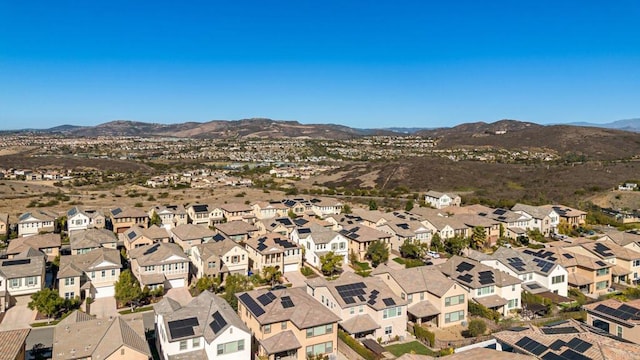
[318, 241]
[205, 328]
[441, 200]
[36, 221]
[160, 264]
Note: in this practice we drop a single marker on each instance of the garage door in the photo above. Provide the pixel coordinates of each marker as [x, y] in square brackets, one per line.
[106, 291]
[176, 283]
[21, 300]
[290, 267]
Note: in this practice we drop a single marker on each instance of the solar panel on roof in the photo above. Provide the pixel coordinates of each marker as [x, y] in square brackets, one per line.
[200, 208]
[464, 266]
[182, 328]
[371, 302]
[601, 263]
[131, 235]
[531, 345]
[388, 301]
[560, 330]
[218, 322]
[73, 211]
[466, 278]
[552, 356]
[116, 211]
[251, 304]
[579, 345]
[572, 355]
[16, 262]
[533, 286]
[286, 302]
[556, 345]
[602, 250]
[375, 292]
[266, 298]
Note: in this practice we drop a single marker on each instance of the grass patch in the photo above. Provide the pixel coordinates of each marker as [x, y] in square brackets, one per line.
[137, 310]
[399, 260]
[361, 265]
[410, 347]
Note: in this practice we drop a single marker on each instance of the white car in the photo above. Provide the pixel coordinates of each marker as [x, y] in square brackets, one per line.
[434, 254]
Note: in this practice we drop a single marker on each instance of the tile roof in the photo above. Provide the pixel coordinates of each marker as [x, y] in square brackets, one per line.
[191, 232]
[91, 238]
[38, 215]
[518, 261]
[567, 258]
[359, 323]
[98, 259]
[217, 249]
[470, 272]
[12, 342]
[282, 341]
[236, 227]
[627, 312]
[271, 243]
[236, 207]
[363, 233]
[158, 253]
[418, 279]
[319, 233]
[40, 241]
[128, 212]
[27, 263]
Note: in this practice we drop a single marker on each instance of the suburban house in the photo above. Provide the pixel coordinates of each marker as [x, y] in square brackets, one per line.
[491, 227]
[48, 243]
[616, 317]
[543, 218]
[538, 275]
[318, 241]
[198, 214]
[573, 217]
[170, 215]
[298, 206]
[86, 240]
[13, 344]
[440, 200]
[4, 225]
[81, 336]
[79, 219]
[91, 274]
[236, 230]
[125, 218]
[626, 261]
[367, 307]
[360, 237]
[160, 264]
[136, 236]
[269, 209]
[288, 324]
[589, 275]
[403, 227]
[281, 225]
[237, 212]
[325, 206]
[21, 277]
[273, 250]
[219, 258]
[205, 328]
[432, 298]
[190, 235]
[35, 222]
[487, 286]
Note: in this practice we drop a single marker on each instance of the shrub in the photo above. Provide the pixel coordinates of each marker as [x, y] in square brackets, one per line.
[482, 311]
[477, 327]
[424, 334]
[306, 271]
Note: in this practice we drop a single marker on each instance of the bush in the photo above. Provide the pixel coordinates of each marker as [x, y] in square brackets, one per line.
[482, 311]
[477, 327]
[356, 345]
[424, 335]
[306, 271]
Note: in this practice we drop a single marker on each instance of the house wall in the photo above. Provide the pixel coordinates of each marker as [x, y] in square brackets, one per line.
[140, 241]
[23, 288]
[78, 222]
[34, 228]
[74, 288]
[127, 353]
[631, 334]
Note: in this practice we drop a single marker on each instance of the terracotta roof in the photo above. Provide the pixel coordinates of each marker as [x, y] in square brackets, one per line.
[12, 342]
[359, 323]
[423, 309]
[491, 301]
[282, 341]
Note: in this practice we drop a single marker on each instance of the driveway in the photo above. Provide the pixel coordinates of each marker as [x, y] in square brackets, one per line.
[18, 317]
[296, 278]
[180, 294]
[104, 308]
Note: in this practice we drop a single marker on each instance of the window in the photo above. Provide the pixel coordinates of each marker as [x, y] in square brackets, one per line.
[361, 308]
[601, 272]
[113, 272]
[319, 330]
[453, 316]
[267, 329]
[392, 312]
[195, 343]
[343, 245]
[211, 264]
[636, 262]
[410, 297]
[454, 300]
[388, 330]
[421, 296]
[183, 345]
[557, 279]
[230, 347]
[513, 303]
[602, 284]
[513, 288]
[283, 325]
[31, 281]
[352, 310]
[619, 330]
[322, 348]
[14, 283]
[486, 290]
[93, 274]
[69, 295]
[69, 281]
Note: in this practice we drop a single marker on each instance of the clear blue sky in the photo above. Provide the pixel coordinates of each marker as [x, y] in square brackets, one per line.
[358, 63]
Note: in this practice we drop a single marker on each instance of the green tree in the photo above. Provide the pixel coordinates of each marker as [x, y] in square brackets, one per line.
[331, 263]
[535, 235]
[378, 253]
[409, 205]
[155, 219]
[477, 327]
[455, 245]
[373, 205]
[207, 283]
[346, 209]
[46, 302]
[291, 214]
[436, 243]
[235, 283]
[271, 274]
[478, 237]
[127, 289]
[411, 249]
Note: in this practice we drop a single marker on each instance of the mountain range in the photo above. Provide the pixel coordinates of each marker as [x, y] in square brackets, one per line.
[627, 125]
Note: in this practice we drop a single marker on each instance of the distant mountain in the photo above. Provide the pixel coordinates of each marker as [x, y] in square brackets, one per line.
[627, 125]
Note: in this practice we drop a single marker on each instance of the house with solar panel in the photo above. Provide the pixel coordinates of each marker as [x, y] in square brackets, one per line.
[269, 209]
[288, 324]
[565, 340]
[89, 275]
[361, 237]
[21, 277]
[160, 264]
[539, 276]
[446, 227]
[137, 236]
[626, 262]
[198, 214]
[237, 212]
[190, 235]
[273, 250]
[543, 218]
[325, 206]
[432, 298]
[367, 307]
[205, 328]
[122, 219]
[170, 215]
[403, 227]
[318, 241]
[219, 259]
[35, 222]
[237, 230]
[282, 225]
[298, 206]
[83, 241]
[485, 285]
[589, 275]
[616, 317]
[81, 219]
[571, 216]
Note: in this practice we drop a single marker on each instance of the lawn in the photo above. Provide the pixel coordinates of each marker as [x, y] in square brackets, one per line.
[406, 348]
[361, 265]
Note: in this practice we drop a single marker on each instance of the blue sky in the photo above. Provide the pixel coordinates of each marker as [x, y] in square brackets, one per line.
[357, 63]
